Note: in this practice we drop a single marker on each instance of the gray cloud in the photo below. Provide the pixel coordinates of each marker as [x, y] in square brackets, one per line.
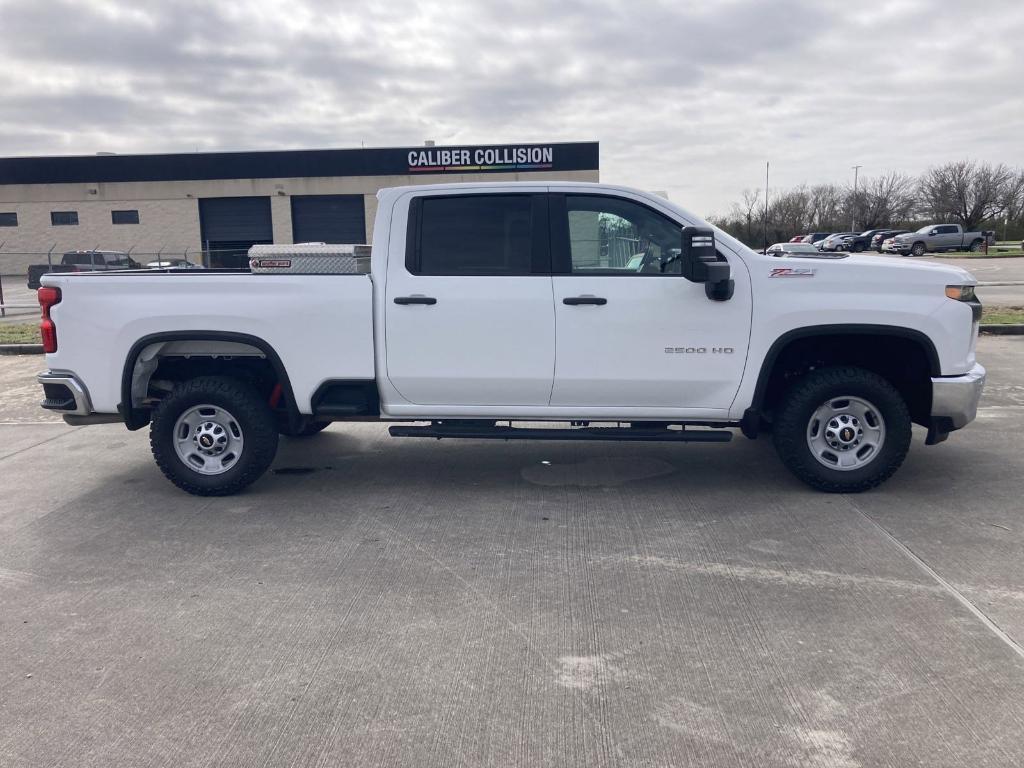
[684, 96]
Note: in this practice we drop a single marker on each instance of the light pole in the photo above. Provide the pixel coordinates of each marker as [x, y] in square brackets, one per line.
[766, 165]
[853, 214]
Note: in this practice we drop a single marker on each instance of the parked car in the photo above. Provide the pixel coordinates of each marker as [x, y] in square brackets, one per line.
[836, 241]
[797, 238]
[937, 238]
[862, 242]
[809, 351]
[82, 261]
[815, 237]
[173, 264]
[883, 235]
[783, 249]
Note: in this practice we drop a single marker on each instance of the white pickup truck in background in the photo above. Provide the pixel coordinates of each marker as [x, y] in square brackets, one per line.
[489, 305]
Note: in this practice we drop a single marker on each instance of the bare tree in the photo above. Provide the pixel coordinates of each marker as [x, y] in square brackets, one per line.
[885, 199]
[751, 201]
[826, 206]
[965, 191]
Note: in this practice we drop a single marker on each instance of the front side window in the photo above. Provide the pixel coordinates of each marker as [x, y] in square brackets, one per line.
[612, 236]
[8, 219]
[63, 218]
[473, 235]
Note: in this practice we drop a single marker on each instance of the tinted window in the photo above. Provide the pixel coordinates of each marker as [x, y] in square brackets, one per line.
[474, 235]
[83, 258]
[63, 218]
[608, 235]
[124, 217]
[949, 229]
[8, 219]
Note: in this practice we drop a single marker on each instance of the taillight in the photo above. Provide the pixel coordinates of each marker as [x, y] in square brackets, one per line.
[48, 297]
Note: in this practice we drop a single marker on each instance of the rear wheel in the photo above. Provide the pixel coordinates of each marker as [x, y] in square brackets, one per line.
[975, 246]
[213, 436]
[842, 430]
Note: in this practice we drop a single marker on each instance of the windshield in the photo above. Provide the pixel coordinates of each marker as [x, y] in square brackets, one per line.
[924, 230]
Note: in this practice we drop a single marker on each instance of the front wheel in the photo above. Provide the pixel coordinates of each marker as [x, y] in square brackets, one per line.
[213, 436]
[842, 430]
[918, 249]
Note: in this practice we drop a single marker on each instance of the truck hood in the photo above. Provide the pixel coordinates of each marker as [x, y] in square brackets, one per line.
[905, 271]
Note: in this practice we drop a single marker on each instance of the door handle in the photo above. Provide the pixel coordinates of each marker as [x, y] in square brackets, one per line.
[575, 301]
[428, 300]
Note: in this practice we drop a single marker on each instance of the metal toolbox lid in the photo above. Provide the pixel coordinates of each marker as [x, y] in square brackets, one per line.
[311, 259]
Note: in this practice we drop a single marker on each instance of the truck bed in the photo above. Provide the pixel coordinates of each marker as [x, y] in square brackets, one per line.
[320, 326]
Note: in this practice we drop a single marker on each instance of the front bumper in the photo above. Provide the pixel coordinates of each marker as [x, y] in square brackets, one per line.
[955, 402]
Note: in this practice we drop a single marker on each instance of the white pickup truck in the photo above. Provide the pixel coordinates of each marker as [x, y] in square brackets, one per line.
[594, 312]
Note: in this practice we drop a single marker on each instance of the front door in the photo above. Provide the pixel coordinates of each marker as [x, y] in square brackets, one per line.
[631, 331]
[468, 316]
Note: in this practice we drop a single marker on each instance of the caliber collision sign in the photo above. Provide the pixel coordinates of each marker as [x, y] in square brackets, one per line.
[466, 159]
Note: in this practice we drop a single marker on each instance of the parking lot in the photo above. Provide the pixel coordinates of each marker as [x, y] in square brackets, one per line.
[389, 602]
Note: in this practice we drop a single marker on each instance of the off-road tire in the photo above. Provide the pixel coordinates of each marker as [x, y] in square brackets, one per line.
[918, 249]
[313, 428]
[792, 418]
[250, 410]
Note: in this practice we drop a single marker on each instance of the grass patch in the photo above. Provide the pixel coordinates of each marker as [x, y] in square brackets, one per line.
[993, 254]
[20, 333]
[1002, 315]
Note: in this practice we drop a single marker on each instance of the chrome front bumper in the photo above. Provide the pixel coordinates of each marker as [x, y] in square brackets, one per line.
[955, 399]
[65, 394]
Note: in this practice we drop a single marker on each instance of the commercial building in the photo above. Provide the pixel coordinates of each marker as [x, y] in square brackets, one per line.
[212, 206]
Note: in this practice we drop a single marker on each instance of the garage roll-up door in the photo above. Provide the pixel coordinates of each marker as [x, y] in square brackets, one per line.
[235, 219]
[328, 219]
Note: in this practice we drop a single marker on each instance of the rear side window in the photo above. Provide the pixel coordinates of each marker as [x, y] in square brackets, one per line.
[476, 235]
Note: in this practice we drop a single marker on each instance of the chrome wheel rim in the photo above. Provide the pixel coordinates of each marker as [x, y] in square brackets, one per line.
[845, 433]
[208, 439]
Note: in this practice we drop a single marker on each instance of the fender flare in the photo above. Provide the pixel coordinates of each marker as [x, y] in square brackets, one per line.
[842, 329]
[137, 418]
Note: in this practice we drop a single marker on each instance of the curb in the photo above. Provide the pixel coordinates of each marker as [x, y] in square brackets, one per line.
[21, 349]
[1004, 329]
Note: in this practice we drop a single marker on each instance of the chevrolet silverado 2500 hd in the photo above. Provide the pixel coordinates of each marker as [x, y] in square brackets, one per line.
[488, 305]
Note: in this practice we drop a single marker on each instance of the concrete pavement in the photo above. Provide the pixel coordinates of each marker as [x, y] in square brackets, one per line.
[387, 602]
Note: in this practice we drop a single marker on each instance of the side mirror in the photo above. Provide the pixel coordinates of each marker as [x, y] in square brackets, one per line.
[700, 263]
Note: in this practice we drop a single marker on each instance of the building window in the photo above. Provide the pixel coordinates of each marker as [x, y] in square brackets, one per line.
[8, 219]
[63, 218]
[124, 217]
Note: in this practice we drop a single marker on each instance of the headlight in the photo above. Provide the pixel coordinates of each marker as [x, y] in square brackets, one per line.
[960, 292]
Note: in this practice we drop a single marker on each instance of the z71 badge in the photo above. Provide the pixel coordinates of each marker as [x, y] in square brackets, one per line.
[792, 272]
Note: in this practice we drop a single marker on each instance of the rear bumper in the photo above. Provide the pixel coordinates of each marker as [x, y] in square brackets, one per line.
[955, 402]
[64, 393]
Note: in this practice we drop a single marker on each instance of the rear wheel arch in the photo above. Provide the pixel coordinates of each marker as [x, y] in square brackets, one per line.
[132, 380]
[904, 356]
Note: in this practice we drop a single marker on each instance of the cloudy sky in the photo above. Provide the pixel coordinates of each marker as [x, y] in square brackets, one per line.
[687, 97]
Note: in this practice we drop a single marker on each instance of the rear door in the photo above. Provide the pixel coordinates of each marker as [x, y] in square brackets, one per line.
[631, 331]
[468, 309]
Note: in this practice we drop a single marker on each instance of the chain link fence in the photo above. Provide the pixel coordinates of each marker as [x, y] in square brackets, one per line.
[20, 270]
